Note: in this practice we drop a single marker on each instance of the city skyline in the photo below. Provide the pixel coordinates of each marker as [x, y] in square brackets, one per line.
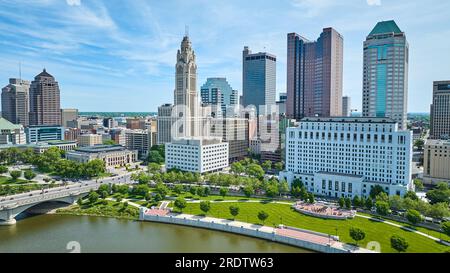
[129, 64]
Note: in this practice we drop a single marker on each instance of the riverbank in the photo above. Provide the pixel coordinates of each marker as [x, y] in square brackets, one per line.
[103, 208]
[282, 214]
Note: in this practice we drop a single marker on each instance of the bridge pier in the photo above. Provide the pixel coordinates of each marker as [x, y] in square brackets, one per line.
[9, 222]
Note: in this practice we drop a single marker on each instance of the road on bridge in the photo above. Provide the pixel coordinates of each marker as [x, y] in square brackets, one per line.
[58, 192]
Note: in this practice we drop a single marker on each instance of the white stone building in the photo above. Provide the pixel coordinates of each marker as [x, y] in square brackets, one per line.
[200, 155]
[347, 156]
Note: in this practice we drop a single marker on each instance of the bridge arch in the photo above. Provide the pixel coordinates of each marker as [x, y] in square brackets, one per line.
[8, 215]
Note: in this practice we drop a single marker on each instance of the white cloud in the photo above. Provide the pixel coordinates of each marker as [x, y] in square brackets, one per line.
[374, 2]
[73, 2]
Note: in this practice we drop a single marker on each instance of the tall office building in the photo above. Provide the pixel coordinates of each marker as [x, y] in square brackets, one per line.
[45, 108]
[440, 111]
[69, 117]
[15, 101]
[185, 94]
[315, 75]
[258, 78]
[217, 91]
[140, 140]
[385, 73]
[164, 123]
[346, 106]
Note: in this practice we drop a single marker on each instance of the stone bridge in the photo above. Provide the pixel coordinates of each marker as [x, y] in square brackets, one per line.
[13, 205]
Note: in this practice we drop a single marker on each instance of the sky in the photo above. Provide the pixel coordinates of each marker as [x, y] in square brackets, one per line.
[119, 55]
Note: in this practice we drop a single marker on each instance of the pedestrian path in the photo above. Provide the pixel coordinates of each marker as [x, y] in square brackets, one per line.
[400, 226]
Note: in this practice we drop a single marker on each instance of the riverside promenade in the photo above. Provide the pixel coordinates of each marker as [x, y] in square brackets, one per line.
[286, 235]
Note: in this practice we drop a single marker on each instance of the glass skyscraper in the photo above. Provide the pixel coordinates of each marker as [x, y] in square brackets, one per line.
[314, 75]
[385, 73]
[218, 91]
[258, 78]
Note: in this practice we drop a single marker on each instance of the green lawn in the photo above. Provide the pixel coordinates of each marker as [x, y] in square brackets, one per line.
[188, 195]
[7, 180]
[421, 229]
[111, 209]
[280, 213]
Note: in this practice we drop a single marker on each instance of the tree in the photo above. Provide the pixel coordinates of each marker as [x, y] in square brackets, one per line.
[178, 189]
[148, 197]
[255, 170]
[279, 166]
[125, 204]
[311, 198]
[162, 189]
[382, 208]
[248, 191]
[267, 165]
[109, 142]
[272, 190]
[369, 203]
[3, 169]
[396, 203]
[80, 202]
[348, 203]
[375, 191]
[103, 194]
[205, 206]
[223, 192]
[119, 198]
[341, 202]
[438, 211]
[412, 195]
[440, 194]
[94, 168]
[399, 243]
[357, 234]
[158, 197]
[154, 167]
[193, 190]
[262, 215]
[29, 175]
[15, 175]
[382, 196]
[283, 187]
[155, 157]
[93, 197]
[237, 168]
[234, 210]
[419, 144]
[356, 201]
[446, 227]
[419, 185]
[413, 216]
[141, 190]
[180, 203]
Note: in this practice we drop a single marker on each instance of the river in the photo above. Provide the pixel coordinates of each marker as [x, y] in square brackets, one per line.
[52, 233]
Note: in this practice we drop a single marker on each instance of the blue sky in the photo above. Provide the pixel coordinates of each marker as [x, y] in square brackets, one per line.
[120, 55]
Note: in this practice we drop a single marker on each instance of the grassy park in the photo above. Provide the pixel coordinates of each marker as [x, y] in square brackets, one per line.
[283, 214]
[102, 208]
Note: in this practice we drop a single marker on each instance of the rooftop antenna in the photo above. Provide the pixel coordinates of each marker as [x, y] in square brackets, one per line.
[186, 31]
[20, 71]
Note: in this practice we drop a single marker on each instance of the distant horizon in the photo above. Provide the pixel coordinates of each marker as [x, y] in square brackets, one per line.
[122, 54]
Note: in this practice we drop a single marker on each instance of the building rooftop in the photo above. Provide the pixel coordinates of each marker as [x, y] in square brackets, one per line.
[349, 119]
[100, 148]
[385, 27]
[196, 141]
[7, 125]
[45, 74]
[437, 142]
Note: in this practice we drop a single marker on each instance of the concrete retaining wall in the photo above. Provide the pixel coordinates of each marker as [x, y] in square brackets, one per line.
[242, 231]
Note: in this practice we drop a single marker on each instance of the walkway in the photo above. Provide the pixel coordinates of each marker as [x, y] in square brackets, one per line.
[399, 226]
[241, 201]
[298, 237]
